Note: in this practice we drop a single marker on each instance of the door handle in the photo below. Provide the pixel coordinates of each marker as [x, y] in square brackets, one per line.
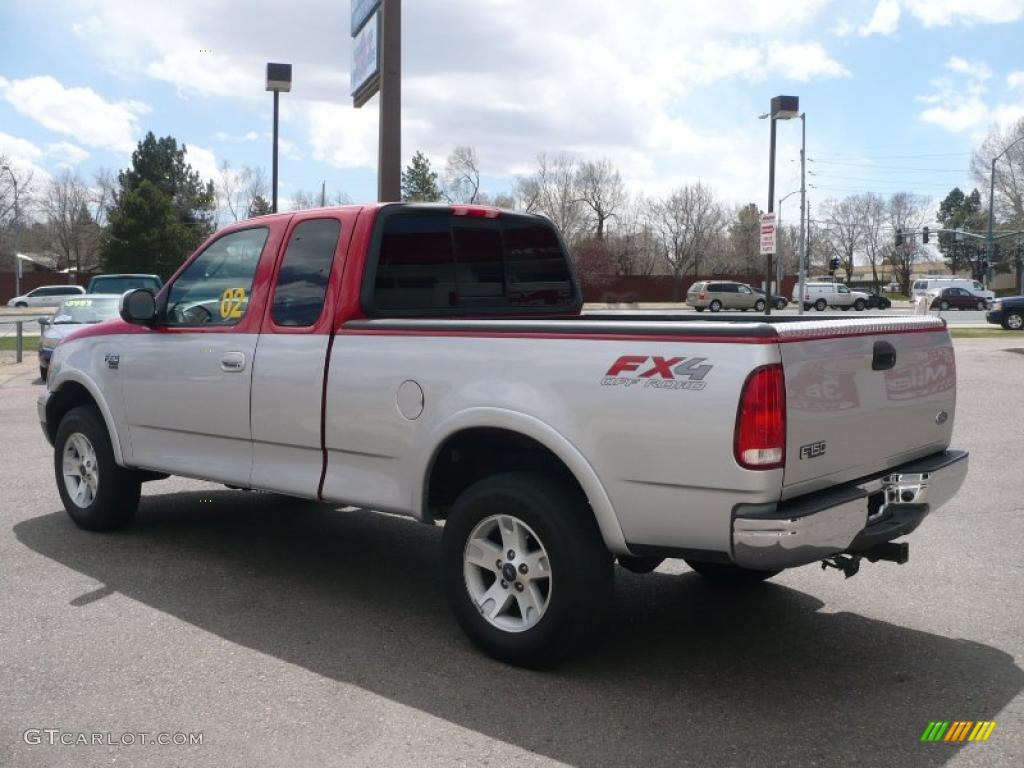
[232, 362]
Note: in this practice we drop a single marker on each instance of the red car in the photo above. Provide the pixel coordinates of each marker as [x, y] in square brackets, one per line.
[958, 298]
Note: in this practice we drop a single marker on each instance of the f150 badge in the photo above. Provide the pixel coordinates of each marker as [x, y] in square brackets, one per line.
[658, 372]
[813, 450]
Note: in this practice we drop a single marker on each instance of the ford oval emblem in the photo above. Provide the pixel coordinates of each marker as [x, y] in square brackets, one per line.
[941, 417]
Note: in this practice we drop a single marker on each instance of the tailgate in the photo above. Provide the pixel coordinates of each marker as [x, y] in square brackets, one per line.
[863, 396]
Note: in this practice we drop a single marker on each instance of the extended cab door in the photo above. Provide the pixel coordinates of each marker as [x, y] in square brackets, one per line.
[186, 384]
[291, 355]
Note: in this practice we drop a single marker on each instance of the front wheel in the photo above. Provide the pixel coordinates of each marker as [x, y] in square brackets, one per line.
[859, 305]
[1014, 321]
[820, 305]
[729, 574]
[97, 493]
[524, 568]
[759, 306]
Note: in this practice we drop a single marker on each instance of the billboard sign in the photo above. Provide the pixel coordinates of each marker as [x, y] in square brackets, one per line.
[361, 12]
[365, 77]
[767, 233]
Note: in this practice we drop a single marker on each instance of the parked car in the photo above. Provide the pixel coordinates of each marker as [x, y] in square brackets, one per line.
[72, 314]
[1007, 312]
[397, 371]
[878, 301]
[119, 283]
[957, 298]
[717, 295]
[930, 286]
[46, 296]
[821, 295]
[778, 302]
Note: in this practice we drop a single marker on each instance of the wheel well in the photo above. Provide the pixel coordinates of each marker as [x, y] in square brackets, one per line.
[473, 454]
[70, 395]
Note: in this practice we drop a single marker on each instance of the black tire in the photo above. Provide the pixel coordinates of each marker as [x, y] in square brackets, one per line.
[820, 305]
[859, 305]
[715, 306]
[982, 306]
[699, 309]
[117, 489]
[759, 305]
[581, 573]
[42, 373]
[635, 564]
[807, 307]
[1013, 321]
[944, 306]
[730, 575]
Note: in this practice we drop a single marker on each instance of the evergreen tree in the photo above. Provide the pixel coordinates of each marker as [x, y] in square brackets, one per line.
[419, 182]
[960, 211]
[259, 207]
[161, 213]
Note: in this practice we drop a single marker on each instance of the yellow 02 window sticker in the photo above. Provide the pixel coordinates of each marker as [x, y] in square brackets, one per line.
[231, 303]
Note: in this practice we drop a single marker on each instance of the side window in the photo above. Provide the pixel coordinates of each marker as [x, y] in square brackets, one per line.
[843, 289]
[302, 279]
[743, 289]
[214, 289]
[978, 286]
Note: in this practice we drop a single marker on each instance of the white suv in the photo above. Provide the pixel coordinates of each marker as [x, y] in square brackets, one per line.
[821, 295]
[46, 296]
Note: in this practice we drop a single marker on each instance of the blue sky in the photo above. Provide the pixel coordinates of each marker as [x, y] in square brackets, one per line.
[897, 92]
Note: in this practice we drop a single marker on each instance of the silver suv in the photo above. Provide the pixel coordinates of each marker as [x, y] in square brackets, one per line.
[717, 295]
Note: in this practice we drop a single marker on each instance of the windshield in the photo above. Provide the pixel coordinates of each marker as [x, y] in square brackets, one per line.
[116, 284]
[86, 311]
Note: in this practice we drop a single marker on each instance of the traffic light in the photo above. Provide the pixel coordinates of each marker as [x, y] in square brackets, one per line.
[899, 239]
[924, 235]
[833, 265]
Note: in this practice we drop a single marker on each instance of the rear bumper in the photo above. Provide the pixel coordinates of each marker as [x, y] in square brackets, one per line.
[847, 518]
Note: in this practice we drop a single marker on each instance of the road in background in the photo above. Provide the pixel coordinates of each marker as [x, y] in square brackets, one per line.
[293, 634]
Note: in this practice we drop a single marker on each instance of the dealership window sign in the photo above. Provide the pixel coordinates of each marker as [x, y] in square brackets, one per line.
[361, 12]
[365, 77]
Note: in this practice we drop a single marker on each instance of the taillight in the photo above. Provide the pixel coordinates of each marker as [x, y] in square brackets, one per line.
[760, 441]
[702, 294]
[475, 211]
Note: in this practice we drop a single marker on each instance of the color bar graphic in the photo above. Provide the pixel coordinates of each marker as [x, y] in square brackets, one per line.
[958, 730]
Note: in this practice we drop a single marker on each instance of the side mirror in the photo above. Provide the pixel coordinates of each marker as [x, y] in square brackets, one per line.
[138, 306]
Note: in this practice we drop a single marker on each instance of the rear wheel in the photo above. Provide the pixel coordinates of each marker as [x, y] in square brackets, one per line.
[525, 569]
[1014, 321]
[982, 306]
[820, 305]
[716, 306]
[729, 574]
[699, 309]
[21, 304]
[97, 493]
[759, 305]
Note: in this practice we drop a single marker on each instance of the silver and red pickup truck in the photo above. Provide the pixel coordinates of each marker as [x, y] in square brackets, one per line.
[434, 362]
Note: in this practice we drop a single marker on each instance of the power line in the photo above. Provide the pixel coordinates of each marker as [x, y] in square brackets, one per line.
[872, 167]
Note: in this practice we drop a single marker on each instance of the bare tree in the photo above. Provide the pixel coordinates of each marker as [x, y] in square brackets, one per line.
[25, 181]
[745, 241]
[876, 237]
[73, 233]
[845, 223]
[551, 190]
[1009, 176]
[462, 176]
[104, 191]
[688, 220]
[907, 211]
[236, 190]
[303, 200]
[601, 189]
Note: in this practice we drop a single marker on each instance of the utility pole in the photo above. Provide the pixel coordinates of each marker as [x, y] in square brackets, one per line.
[805, 214]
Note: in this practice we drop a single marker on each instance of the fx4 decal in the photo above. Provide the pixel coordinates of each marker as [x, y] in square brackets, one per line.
[658, 372]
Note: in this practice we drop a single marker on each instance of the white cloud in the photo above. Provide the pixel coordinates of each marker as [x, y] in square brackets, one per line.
[66, 154]
[224, 136]
[202, 160]
[804, 61]
[965, 114]
[76, 111]
[944, 13]
[1015, 79]
[23, 155]
[976, 70]
[1006, 115]
[884, 21]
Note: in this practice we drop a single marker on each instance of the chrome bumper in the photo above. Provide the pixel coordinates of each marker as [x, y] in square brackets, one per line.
[847, 518]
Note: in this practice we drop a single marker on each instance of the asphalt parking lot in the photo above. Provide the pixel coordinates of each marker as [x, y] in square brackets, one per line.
[293, 634]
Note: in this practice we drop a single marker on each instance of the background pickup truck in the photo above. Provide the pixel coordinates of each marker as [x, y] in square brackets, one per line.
[434, 362]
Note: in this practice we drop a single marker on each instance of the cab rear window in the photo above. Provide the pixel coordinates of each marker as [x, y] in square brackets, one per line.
[438, 263]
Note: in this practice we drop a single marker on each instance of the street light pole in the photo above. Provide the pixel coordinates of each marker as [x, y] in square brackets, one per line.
[279, 78]
[804, 235]
[17, 234]
[990, 249]
[782, 108]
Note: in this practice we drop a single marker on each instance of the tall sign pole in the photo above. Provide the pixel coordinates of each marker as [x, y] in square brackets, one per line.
[377, 68]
